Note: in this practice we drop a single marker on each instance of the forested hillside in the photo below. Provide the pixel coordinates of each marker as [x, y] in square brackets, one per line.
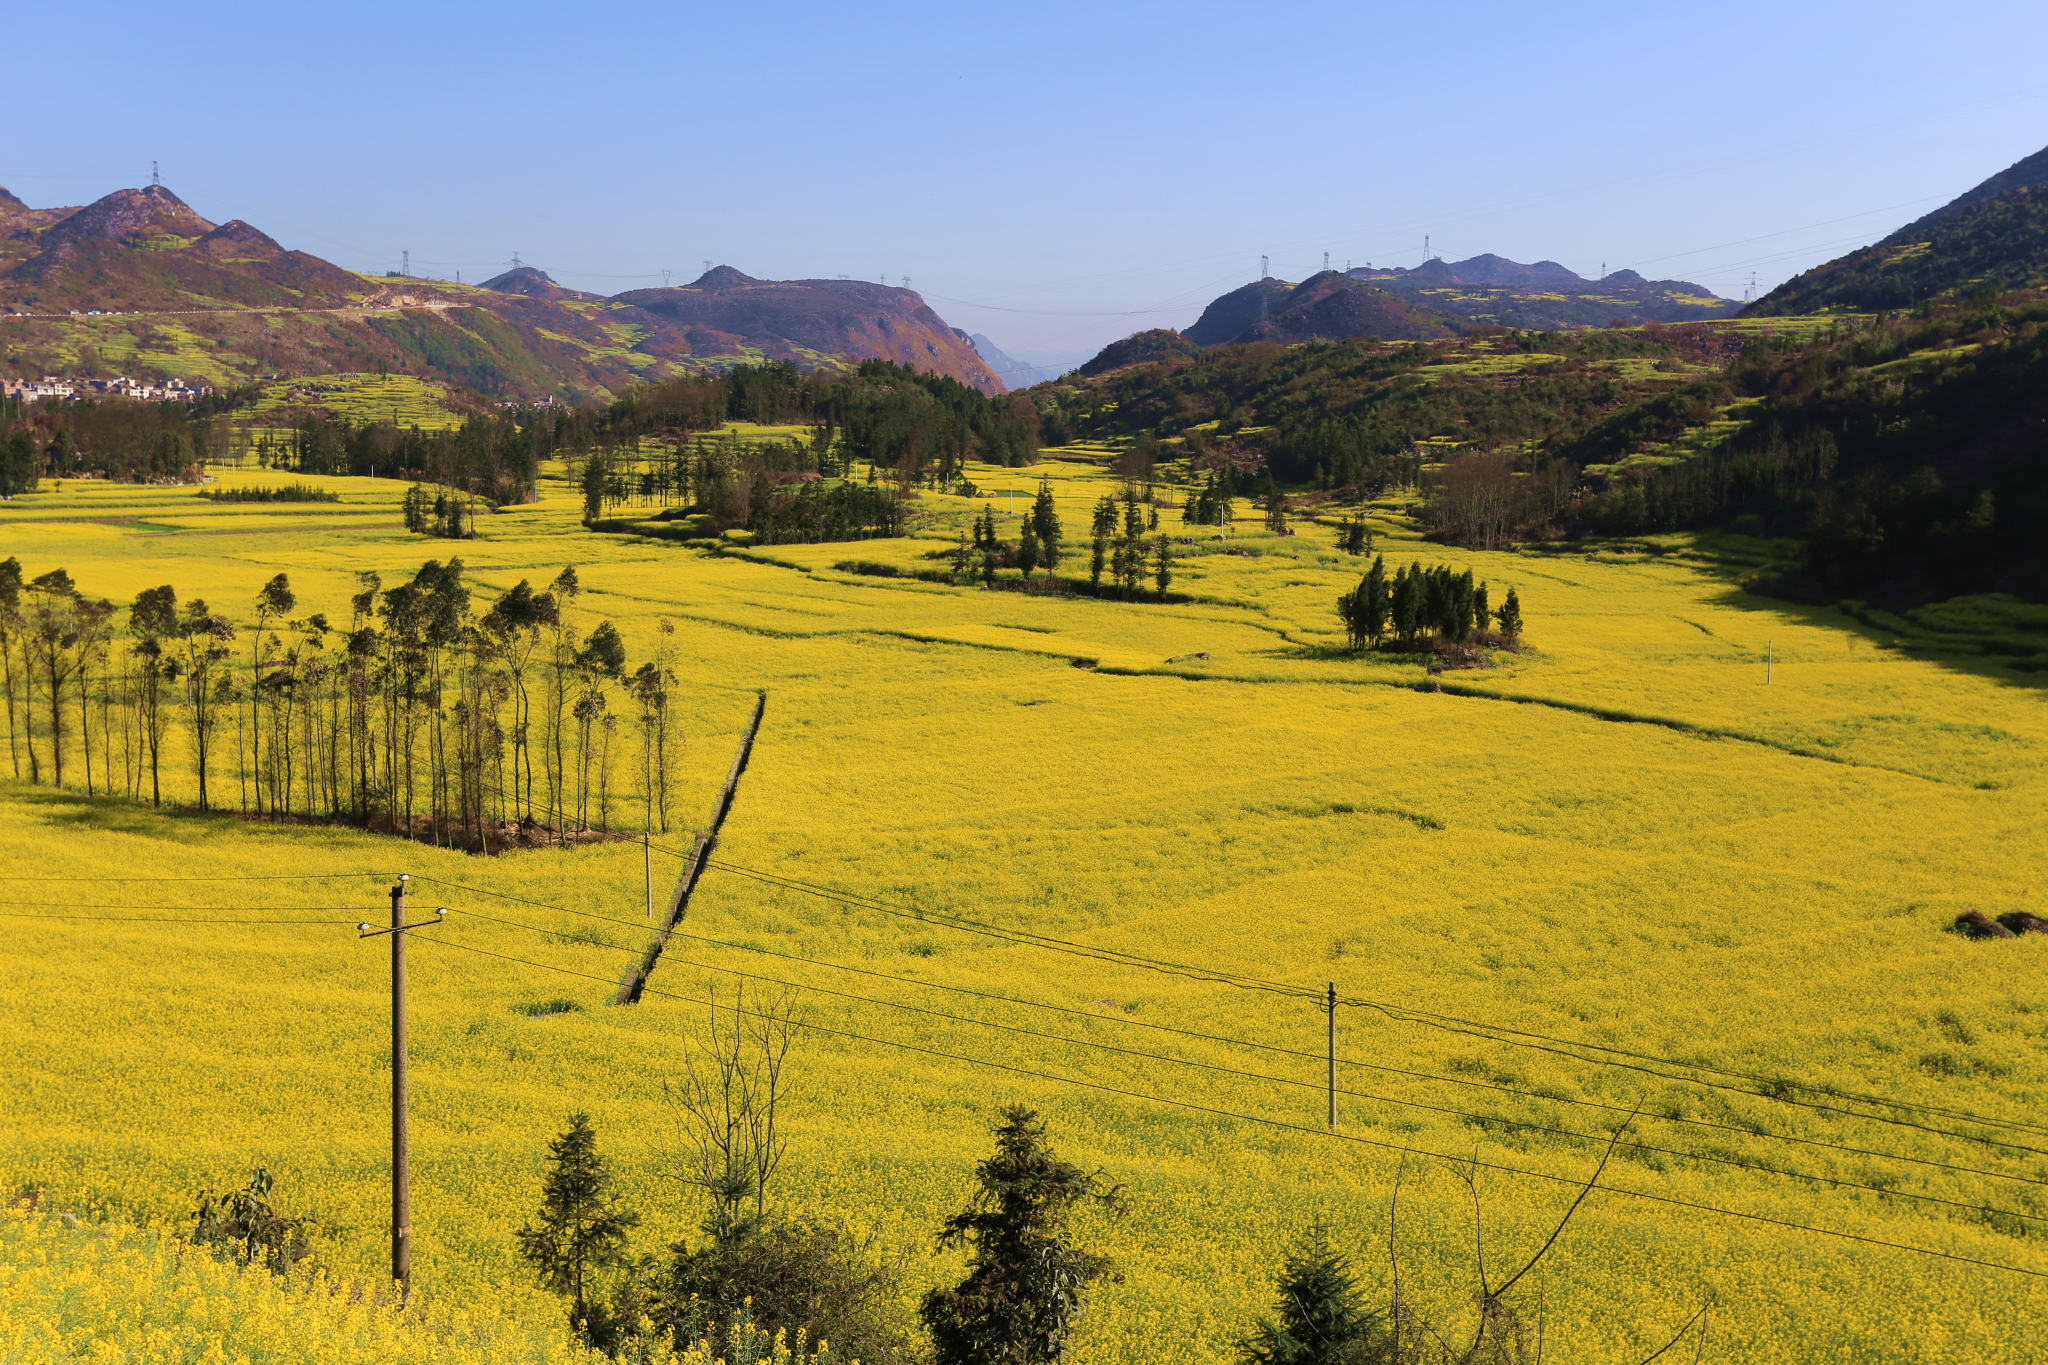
[1906, 452]
[1994, 237]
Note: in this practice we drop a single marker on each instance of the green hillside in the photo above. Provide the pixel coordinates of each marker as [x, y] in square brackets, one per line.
[1994, 237]
[1901, 455]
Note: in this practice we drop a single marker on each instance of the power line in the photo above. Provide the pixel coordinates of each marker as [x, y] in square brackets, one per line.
[1301, 1128]
[1241, 1042]
[1445, 1023]
[295, 876]
[146, 919]
[1284, 1080]
[1399, 1015]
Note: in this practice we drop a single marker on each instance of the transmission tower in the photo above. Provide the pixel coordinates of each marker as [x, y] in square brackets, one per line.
[515, 261]
[664, 279]
[1425, 246]
[405, 264]
[1265, 268]
[154, 179]
[1326, 260]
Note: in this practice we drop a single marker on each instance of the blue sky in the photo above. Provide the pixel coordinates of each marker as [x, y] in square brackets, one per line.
[1055, 175]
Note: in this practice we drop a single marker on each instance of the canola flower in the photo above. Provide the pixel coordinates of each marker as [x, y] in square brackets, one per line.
[1764, 890]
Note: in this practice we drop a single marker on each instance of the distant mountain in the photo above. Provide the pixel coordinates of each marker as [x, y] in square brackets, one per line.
[1140, 348]
[728, 315]
[138, 282]
[1996, 232]
[1546, 296]
[535, 284]
[1324, 305]
[1021, 372]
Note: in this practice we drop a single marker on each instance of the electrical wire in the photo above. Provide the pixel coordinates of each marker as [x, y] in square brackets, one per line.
[147, 919]
[295, 876]
[1283, 1080]
[1446, 1023]
[1469, 1162]
[1244, 1042]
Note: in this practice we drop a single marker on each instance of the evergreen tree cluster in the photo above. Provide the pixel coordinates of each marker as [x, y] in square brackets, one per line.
[440, 513]
[1419, 604]
[758, 1273]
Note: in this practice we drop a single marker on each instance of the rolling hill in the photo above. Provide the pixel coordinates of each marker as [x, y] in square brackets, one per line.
[1324, 305]
[138, 282]
[1996, 233]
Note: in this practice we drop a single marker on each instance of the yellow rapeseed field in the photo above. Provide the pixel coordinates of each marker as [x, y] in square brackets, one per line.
[1623, 837]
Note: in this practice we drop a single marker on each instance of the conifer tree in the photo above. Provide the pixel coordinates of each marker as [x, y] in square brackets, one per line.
[1407, 602]
[1275, 503]
[1378, 604]
[1510, 616]
[1025, 1277]
[1482, 617]
[1045, 522]
[582, 1232]
[1321, 1318]
[1162, 568]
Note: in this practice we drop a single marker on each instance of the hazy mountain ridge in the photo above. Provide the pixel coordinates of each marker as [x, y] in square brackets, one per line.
[1545, 296]
[139, 280]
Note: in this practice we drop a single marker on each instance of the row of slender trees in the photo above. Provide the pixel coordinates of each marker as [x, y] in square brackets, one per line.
[420, 716]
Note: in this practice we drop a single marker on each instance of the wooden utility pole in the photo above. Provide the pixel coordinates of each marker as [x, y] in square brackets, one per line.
[1331, 1005]
[401, 1152]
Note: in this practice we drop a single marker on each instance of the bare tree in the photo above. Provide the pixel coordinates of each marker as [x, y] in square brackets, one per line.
[729, 1108]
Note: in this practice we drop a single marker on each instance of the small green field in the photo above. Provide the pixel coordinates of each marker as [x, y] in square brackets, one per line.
[1630, 837]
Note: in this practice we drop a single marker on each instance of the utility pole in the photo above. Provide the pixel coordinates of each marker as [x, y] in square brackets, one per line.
[1331, 1005]
[1770, 657]
[401, 1153]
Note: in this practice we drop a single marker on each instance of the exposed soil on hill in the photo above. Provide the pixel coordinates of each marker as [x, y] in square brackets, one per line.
[139, 283]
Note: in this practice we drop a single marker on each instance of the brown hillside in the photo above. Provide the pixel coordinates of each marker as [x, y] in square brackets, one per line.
[139, 283]
[789, 318]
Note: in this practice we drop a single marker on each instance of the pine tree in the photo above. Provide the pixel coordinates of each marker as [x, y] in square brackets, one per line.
[1378, 603]
[1027, 548]
[1321, 1318]
[1162, 568]
[1275, 503]
[1025, 1278]
[582, 1232]
[1510, 616]
[1407, 603]
[1045, 521]
[1481, 616]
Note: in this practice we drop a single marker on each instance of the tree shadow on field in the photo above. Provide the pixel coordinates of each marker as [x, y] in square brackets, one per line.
[2006, 657]
[63, 809]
